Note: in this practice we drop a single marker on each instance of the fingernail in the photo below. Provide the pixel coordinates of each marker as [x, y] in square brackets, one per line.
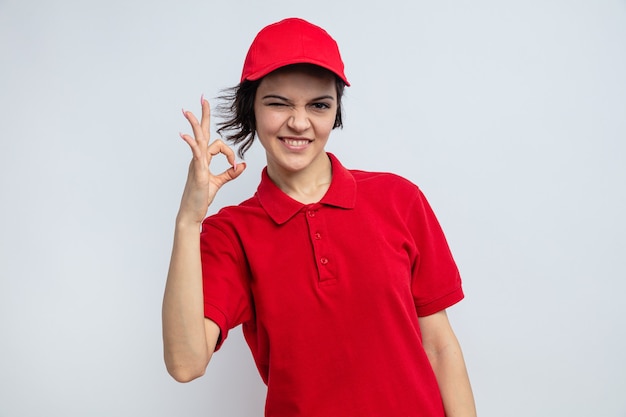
[202, 99]
[184, 113]
[181, 135]
[235, 166]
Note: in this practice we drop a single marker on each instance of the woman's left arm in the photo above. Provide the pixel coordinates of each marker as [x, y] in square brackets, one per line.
[446, 358]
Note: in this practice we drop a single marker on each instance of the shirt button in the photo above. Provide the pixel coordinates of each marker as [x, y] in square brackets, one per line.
[324, 261]
[318, 236]
[311, 213]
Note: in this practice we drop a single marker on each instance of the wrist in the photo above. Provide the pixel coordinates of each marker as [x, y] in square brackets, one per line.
[186, 222]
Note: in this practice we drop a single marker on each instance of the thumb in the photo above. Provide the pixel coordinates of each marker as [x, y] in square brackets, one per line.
[231, 173]
[237, 170]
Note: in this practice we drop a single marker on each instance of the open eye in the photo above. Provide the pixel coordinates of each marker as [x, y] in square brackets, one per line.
[321, 106]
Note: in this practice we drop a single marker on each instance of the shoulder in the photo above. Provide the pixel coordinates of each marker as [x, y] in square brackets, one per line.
[385, 182]
[227, 218]
[372, 179]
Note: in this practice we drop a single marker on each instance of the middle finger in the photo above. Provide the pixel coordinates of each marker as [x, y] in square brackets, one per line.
[205, 120]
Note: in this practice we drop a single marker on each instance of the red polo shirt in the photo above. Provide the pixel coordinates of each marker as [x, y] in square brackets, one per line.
[329, 294]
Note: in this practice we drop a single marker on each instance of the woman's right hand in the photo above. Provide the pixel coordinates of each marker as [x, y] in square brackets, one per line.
[202, 184]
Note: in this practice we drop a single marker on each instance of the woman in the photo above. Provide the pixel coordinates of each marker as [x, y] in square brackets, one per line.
[340, 278]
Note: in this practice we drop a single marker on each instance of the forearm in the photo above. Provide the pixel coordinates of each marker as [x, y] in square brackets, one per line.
[184, 338]
[449, 367]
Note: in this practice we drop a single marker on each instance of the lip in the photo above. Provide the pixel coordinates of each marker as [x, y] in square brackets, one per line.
[295, 143]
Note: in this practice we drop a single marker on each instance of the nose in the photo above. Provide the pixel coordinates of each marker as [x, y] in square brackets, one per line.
[299, 121]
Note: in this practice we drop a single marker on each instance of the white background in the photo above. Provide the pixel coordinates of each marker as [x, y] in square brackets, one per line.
[511, 116]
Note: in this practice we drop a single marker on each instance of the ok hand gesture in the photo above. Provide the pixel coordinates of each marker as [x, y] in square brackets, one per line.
[202, 184]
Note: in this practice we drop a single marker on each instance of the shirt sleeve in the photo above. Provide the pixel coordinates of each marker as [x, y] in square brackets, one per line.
[225, 278]
[436, 282]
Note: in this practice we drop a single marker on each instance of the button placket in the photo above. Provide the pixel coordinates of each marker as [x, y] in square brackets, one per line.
[319, 241]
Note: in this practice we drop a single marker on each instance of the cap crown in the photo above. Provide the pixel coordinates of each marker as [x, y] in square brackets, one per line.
[291, 41]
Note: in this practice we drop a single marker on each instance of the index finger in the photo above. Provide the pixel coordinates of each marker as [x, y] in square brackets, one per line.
[217, 147]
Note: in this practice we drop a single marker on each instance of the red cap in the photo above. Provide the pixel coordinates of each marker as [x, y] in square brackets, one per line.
[291, 41]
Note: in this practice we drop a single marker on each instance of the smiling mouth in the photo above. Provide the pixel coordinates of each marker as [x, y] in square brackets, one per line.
[296, 142]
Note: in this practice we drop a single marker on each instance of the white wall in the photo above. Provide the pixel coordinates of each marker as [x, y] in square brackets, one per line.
[510, 115]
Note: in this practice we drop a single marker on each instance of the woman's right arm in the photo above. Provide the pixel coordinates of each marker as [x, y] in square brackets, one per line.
[189, 338]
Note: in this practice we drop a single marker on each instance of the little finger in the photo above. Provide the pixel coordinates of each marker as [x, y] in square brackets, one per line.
[196, 151]
[195, 126]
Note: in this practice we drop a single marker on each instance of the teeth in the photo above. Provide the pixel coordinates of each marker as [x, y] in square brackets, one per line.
[293, 142]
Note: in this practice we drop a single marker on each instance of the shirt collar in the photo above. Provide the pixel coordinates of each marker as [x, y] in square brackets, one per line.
[280, 207]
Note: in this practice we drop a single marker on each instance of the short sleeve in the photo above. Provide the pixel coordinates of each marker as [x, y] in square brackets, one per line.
[436, 282]
[225, 278]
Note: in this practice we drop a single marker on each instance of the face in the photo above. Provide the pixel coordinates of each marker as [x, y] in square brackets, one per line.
[295, 109]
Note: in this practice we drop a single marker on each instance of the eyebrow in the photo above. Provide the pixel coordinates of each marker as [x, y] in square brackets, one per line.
[276, 96]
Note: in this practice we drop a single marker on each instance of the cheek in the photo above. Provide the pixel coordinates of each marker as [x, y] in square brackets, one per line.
[268, 121]
[326, 126]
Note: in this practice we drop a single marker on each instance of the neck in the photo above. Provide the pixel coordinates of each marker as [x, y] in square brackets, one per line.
[306, 186]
